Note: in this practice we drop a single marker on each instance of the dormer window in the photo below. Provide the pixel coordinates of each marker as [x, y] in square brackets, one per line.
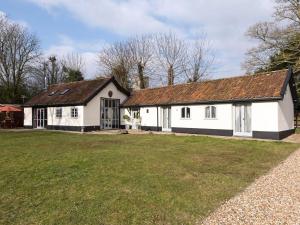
[64, 91]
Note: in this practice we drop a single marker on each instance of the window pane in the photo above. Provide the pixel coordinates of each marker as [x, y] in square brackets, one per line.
[183, 112]
[247, 118]
[213, 112]
[188, 112]
[59, 112]
[207, 112]
[238, 119]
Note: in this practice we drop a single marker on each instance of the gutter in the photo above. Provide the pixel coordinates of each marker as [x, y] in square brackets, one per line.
[262, 99]
[157, 118]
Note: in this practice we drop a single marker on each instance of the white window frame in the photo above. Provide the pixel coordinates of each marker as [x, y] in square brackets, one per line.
[209, 115]
[74, 112]
[58, 112]
[186, 114]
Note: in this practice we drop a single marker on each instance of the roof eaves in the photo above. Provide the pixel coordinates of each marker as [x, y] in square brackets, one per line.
[207, 102]
[286, 81]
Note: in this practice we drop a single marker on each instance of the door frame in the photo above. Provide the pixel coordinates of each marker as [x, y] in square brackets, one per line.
[242, 133]
[169, 117]
[102, 103]
[39, 122]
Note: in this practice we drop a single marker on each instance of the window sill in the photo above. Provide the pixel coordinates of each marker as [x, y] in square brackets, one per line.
[185, 118]
[210, 118]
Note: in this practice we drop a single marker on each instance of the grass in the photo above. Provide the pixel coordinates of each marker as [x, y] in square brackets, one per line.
[62, 178]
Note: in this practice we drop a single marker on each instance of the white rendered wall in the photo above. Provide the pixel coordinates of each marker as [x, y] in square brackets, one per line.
[92, 109]
[147, 119]
[150, 118]
[28, 116]
[66, 119]
[198, 120]
[124, 111]
[286, 112]
[264, 116]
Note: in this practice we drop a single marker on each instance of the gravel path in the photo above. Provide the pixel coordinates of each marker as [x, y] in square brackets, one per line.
[272, 199]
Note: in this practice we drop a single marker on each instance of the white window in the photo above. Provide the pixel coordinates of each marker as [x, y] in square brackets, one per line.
[58, 112]
[210, 112]
[185, 112]
[74, 112]
[136, 114]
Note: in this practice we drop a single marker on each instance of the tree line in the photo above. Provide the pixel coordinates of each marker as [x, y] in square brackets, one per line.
[24, 71]
[278, 40]
[164, 58]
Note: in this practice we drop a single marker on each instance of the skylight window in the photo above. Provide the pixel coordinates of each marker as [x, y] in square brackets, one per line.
[52, 93]
[64, 91]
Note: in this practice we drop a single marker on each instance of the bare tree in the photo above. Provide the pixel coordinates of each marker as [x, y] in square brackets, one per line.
[72, 65]
[142, 52]
[47, 72]
[288, 10]
[278, 41]
[54, 71]
[200, 61]
[73, 61]
[171, 54]
[163, 56]
[18, 51]
[117, 60]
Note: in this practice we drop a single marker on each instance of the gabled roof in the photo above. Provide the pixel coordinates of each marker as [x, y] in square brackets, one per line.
[73, 93]
[259, 87]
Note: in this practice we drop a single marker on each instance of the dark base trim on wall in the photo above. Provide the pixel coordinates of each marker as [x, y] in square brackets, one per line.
[203, 131]
[151, 128]
[27, 127]
[272, 135]
[74, 128]
[91, 128]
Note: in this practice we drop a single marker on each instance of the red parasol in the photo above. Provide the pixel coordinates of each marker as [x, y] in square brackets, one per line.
[8, 108]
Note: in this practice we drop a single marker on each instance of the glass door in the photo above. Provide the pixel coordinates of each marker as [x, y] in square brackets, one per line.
[109, 117]
[242, 116]
[40, 118]
[166, 118]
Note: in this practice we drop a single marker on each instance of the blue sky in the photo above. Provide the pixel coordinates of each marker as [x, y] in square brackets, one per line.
[85, 26]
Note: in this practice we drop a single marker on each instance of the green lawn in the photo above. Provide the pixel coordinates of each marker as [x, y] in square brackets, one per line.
[60, 178]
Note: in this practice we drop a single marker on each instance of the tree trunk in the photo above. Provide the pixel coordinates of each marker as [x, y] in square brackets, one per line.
[141, 75]
[170, 75]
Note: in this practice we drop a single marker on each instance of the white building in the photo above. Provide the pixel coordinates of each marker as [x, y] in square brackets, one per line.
[259, 106]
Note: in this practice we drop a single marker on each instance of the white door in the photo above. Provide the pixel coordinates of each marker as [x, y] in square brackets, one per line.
[166, 119]
[242, 120]
[40, 118]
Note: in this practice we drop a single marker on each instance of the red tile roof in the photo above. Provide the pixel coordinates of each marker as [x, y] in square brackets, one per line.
[251, 87]
[78, 93]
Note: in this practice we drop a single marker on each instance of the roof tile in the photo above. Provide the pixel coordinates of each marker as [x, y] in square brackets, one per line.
[250, 87]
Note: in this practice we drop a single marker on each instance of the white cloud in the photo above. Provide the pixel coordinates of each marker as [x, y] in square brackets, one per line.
[224, 22]
[120, 17]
